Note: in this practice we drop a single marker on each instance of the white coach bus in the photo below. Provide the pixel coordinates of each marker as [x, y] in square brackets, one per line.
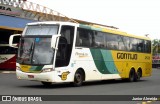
[57, 52]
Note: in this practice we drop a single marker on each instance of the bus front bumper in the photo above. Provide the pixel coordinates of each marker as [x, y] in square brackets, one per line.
[45, 77]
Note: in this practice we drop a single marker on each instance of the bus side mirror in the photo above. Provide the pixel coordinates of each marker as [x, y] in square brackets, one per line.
[12, 40]
[54, 40]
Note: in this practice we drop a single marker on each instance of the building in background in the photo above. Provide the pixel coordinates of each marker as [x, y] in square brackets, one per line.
[14, 15]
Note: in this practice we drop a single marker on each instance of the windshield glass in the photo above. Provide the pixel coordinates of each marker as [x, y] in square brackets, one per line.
[35, 51]
[43, 53]
[35, 45]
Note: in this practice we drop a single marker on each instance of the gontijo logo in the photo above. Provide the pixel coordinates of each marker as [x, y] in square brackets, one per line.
[64, 75]
[127, 56]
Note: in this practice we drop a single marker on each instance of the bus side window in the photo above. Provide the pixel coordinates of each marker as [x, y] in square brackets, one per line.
[140, 45]
[98, 39]
[133, 44]
[111, 41]
[126, 43]
[84, 38]
[121, 45]
[147, 46]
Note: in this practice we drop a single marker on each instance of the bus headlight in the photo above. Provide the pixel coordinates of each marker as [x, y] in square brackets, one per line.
[47, 70]
[18, 68]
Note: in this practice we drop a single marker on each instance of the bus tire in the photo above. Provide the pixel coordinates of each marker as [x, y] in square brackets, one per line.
[78, 78]
[131, 76]
[47, 84]
[138, 75]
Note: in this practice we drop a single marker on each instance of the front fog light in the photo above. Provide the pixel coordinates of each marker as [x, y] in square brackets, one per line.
[47, 70]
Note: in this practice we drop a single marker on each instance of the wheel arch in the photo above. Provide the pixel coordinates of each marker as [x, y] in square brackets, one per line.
[132, 69]
[82, 70]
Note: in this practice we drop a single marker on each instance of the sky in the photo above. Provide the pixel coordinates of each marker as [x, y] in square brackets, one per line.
[139, 17]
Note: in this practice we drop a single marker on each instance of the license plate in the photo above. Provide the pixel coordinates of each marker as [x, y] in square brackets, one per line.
[30, 76]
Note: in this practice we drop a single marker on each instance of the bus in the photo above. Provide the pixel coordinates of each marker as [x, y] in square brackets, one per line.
[7, 53]
[7, 58]
[57, 52]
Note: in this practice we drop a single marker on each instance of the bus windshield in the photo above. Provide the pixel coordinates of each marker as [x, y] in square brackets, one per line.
[35, 51]
[35, 45]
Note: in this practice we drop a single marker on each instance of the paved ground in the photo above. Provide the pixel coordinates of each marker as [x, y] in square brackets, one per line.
[10, 85]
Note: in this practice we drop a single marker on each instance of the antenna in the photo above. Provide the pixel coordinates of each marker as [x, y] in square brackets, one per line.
[146, 35]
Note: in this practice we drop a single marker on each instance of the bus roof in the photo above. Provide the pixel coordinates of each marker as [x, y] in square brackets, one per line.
[112, 30]
[53, 22]
[92, 27]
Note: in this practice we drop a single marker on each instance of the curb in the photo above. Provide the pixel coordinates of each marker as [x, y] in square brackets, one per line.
[7, 72]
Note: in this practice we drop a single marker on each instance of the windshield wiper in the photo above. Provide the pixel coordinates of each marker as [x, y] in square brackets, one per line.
[27, 54]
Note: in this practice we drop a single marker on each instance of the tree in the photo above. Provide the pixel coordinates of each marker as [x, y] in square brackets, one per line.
[156, 46]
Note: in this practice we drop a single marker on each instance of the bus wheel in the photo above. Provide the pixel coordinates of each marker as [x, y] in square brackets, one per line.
[78, 78]
[131, 76]
[138, 75]
[47, 83]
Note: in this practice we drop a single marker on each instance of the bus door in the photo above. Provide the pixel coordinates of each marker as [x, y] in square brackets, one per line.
[65, 46]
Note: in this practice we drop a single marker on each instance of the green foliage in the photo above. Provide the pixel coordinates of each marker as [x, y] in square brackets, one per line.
[156, 46]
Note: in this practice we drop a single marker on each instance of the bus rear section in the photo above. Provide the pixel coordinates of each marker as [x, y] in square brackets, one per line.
[115, 54]
[7, 53]
[7, 58]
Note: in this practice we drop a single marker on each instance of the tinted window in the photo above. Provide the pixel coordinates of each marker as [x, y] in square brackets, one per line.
[147, 46]
[121, 44]
[133, 44]
[111, 41]
[84, 37]
[126, 41]
[98, 39]
[140, 47]
[68, 32]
